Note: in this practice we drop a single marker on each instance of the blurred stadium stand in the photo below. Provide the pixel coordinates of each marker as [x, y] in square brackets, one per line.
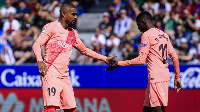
[101, 7]
[88, 21]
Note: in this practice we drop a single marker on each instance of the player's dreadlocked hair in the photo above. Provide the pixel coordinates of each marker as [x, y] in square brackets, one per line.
[144, 15]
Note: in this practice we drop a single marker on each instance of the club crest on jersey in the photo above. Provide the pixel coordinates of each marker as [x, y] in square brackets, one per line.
[71, 36]
[143, 45]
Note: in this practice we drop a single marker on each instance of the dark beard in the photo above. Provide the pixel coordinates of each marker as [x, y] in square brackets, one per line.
[73, 25]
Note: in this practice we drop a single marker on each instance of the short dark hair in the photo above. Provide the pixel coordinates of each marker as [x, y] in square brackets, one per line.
[144, 15]
[67, 5]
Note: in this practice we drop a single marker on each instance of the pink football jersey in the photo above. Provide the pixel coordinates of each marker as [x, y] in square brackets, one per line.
[157, 45]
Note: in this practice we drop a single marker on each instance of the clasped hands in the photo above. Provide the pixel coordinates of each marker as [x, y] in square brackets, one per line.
[112, 62]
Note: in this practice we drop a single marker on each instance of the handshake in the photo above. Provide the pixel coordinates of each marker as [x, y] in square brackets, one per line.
[112, 62]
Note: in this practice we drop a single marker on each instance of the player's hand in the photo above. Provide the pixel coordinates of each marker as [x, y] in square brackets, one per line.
[42, 68]
[110, 60]
[177, 85]
[113, 66]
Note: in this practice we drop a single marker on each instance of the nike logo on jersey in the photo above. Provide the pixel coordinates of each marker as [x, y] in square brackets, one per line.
[154, 102]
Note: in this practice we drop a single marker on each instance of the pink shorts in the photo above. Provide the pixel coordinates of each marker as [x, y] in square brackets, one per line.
[157, 94]
[58, 92]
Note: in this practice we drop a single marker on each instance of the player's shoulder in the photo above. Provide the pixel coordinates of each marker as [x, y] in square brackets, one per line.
[49, 27]
[147, 34]
[52, 24]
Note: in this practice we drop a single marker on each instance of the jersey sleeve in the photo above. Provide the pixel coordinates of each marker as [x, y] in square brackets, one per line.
[79, 45]
[78, 40]
[45, 35]
[170, 48]
[145, 44]
[143, 51]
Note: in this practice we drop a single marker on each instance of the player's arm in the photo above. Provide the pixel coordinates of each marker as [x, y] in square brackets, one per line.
[41, 40]
[172, 54]
[79, 45]
[143, 51]
[140, 60]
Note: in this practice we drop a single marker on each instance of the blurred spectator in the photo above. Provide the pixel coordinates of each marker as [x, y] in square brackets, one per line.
[130, 52]
[178, 7]
[189, 24]
[8, 9]
[22, 47]
[15, 3]
[170, 23]
[43, 19]
[122, 24]
[114, 9]
[197, 20]
[98, 41]
[36, 11]
[128, 38]
[119, 51]
[76, 4]
[106, 26]
[56, 12]
[162, 9]
[21, 10]
[194, 53]
[133, 30]
[139, 2]
[26, 22]
[179, 35]
[31, 31]
[158, 25]
[132, 9]
[194, 7]
[112, 42]
[31, 3]
[183, 50]
[180, 20]
[98, 44]
[81, 59]
[6, 53]
[10, 27]
[149, 6]
[50, 5]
